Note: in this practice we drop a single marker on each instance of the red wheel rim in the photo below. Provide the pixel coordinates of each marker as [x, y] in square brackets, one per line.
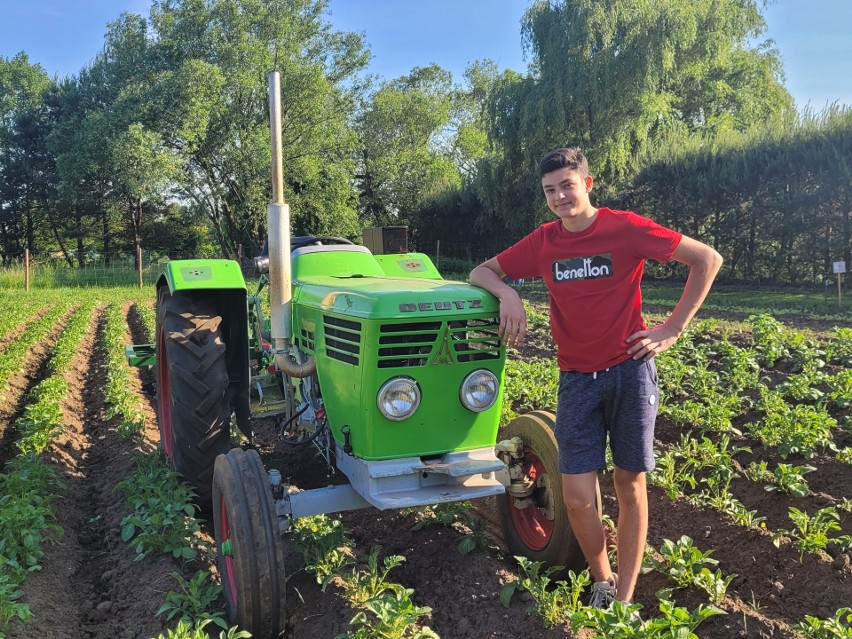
[229, 572]
[163, 395]
[531, 523]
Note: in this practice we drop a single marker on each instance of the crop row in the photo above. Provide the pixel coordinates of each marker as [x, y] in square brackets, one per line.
[27, 515]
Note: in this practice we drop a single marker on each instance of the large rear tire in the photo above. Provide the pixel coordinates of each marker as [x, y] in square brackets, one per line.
[249, 544]
[540, 532]
[193, 410]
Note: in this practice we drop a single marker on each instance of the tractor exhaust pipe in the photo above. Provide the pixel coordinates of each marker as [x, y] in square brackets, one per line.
[280, 271]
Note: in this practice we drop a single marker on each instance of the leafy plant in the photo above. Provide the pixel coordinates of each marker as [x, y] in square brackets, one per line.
[188, 630]
[391, 616]
[553, 602]
[686, 565]
[790, 479]
[811, 534]
[324, 546]
[363, 585]
[837, 627]
[196, 598]
[621, 621]
[459, 516]
[162, 513]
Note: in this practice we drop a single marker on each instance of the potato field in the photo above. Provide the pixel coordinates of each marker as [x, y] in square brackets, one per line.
[750, 504]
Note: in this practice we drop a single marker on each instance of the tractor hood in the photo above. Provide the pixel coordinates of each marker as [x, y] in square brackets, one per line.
[381, 297]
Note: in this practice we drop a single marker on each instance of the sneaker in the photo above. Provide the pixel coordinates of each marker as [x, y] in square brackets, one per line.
[603, 593]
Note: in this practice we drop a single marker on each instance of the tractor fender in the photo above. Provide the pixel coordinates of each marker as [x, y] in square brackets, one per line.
[222, 283]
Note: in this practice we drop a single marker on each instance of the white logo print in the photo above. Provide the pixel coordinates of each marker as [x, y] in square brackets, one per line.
[583, 268]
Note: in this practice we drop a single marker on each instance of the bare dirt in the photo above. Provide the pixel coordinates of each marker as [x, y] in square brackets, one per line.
[91, 587]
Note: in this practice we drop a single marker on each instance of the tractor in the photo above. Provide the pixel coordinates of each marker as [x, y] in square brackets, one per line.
[390, 373]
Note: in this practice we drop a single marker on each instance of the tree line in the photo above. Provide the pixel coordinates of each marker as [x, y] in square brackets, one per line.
[162, 140]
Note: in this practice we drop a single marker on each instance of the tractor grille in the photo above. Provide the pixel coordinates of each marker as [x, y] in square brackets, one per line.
[306, 340]
[342, 339]
[418, 343]
[476, 340]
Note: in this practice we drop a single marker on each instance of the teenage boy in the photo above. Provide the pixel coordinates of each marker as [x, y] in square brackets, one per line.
[591, 260]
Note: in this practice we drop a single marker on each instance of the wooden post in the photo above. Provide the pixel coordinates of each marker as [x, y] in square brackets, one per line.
[27, 269]
[839, 300]
[139, 263]
[438, 254]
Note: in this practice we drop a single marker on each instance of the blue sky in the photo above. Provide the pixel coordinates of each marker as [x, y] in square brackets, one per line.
[814, 38]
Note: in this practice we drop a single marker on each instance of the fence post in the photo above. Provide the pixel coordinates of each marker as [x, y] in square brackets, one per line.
[139, 263]
[27, 269]
[438, 254]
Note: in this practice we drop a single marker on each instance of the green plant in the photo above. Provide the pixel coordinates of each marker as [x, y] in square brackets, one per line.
[837, 627]
[361, 585]
[324, 546]
[195, 600]
[391, 616]
[790, 479]
[457, 515]
[189, 630]
[553, 602]
[686, 565]
[811, 534]
[622, 621]
[162, 513]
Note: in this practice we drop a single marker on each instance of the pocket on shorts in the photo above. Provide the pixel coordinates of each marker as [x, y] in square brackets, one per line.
[651, 367]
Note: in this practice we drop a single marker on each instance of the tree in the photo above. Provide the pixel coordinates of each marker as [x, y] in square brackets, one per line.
[615, 76]
[27, 174]
[400, 161]
[143, 170]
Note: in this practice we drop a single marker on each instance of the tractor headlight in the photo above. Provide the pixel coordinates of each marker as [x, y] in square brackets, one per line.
[398, 398]
[479, 390]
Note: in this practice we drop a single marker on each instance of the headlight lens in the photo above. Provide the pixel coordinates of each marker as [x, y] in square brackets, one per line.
[398, 398]
[478, 391]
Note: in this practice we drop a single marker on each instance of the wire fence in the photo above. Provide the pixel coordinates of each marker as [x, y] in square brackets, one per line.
[454, 260]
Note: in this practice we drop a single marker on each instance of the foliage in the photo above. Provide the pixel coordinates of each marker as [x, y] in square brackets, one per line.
[162, 513]
[812, 533]
[686, 565]
[554, 602]
[459, 516]
[837, 627]
[197, 597]
[191, 630]
[323, 544]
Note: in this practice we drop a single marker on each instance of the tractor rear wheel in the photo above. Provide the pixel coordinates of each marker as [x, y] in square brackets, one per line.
[540, 531]
[249, 545]
[193, 410]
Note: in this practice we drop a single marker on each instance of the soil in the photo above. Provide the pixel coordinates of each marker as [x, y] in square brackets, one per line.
[91, 587]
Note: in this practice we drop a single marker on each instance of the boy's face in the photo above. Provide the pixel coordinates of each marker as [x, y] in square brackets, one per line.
[567, 193]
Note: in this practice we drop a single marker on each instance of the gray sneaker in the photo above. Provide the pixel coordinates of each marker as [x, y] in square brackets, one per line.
[603, 593]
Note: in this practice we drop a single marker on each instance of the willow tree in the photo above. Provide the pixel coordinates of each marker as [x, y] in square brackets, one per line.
[613, 76]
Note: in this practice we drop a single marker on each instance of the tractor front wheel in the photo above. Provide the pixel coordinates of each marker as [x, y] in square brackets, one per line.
[193, 410]
[249, 544]
[540, 531]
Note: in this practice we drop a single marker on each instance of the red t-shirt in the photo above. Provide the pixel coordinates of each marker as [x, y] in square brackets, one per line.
[593, 278]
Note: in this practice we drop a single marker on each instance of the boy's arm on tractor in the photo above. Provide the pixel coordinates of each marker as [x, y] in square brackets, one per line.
[513, 317]
[703, 262]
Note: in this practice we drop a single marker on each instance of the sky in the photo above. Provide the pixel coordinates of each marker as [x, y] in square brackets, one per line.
[814, 38]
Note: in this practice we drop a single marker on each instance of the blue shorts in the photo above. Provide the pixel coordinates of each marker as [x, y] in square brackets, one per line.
[620, 401]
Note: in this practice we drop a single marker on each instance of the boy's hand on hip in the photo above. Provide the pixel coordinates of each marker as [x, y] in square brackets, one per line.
[651, 342]
[513, 321]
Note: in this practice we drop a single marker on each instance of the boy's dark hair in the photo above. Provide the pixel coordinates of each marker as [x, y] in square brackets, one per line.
[564, 158]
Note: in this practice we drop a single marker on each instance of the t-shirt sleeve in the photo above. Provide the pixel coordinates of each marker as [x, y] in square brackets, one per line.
[653, 241]
[519, 260]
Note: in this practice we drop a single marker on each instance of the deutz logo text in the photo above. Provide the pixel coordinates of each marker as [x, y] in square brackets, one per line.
[583, 268]
[440, 306]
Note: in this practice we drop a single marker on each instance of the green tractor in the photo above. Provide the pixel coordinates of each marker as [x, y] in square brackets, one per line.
[393, 374]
